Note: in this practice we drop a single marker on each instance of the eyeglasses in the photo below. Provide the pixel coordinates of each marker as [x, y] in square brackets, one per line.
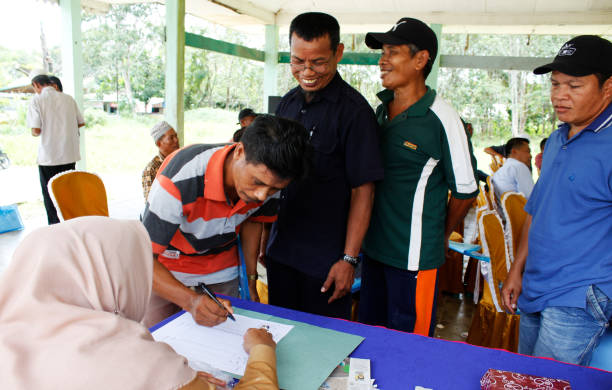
[318, 66]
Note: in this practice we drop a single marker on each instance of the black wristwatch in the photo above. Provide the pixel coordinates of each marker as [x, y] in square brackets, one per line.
[352, 260]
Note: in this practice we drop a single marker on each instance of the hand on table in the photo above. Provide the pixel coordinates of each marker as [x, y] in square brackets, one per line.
[206, 312]
[254, 337]
[342, 275]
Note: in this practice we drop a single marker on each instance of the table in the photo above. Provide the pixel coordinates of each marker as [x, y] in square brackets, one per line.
[403, 360]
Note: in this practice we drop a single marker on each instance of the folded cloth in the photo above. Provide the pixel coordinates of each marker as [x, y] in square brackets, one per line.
[498, 379]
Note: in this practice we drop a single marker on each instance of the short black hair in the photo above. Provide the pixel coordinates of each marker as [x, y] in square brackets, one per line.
[42, 79]
[602, 77]
[543, 143]
[514, 143]
[56, 81]
[282, 145]
[428, 66]
[312, 25]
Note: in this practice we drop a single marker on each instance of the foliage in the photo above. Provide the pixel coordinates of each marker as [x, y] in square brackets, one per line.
[94, 118]
[123, 52]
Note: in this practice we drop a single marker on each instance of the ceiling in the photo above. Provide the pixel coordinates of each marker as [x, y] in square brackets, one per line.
[567, 17]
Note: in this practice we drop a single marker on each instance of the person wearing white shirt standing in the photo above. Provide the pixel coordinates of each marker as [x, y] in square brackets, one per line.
[55, 117]
[515, 174]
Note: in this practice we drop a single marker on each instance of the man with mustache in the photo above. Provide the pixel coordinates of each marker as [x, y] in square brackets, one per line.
[426, 153]
[561, 278]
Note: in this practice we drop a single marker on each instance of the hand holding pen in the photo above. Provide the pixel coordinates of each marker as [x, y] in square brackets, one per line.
[212, 296]
[206, 311]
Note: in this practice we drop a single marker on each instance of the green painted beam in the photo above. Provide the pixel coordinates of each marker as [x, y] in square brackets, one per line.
[353, 58]
[200, 42]
[348, 58]
[493, 62]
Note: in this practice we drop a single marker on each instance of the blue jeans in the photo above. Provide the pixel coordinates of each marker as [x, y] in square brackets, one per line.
[567, 334]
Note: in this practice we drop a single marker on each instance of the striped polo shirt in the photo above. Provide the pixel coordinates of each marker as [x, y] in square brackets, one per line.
[192, 223]
[426, 152]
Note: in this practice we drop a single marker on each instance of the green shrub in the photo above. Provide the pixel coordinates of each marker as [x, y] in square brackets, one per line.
[94, 117]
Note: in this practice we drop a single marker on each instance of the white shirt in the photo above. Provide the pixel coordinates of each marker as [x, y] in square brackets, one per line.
[57, 116]
[513, 176]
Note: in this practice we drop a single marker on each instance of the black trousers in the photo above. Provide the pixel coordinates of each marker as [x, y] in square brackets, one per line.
[46, 172]
[290, 288]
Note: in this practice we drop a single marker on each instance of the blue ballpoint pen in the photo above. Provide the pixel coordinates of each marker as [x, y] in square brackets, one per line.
[212, 296]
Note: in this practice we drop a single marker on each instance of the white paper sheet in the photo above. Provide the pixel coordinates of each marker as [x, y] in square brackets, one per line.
[218, 347]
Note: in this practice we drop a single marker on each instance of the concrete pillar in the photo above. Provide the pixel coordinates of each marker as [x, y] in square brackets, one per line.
[72, 61]
[432, 79]
[271, 64]
[175, 66]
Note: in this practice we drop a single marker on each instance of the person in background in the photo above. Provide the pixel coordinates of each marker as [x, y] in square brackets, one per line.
[515, 174]
[246, 116]
[83, 323]
[561, 277]
[166, 140]
[56, 83]
[426, 153]
[314, 246]
[55, 118]
[202, 198]
[538, 157]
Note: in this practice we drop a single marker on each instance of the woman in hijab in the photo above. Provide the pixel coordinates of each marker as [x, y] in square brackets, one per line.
[71, 302]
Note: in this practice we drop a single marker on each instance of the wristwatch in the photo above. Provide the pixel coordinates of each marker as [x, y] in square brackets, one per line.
[252, 276]
[352, 260]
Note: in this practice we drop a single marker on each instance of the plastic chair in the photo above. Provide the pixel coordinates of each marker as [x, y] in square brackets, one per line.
[513, 207]
[491, 326]
[78, 193]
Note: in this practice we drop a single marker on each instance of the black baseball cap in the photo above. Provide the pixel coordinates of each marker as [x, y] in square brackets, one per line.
[406, 31]
[244, 113]
[581, 56]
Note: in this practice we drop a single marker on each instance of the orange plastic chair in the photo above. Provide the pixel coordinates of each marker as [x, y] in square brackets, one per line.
[491, 326]
[78, 193]
[513, 207]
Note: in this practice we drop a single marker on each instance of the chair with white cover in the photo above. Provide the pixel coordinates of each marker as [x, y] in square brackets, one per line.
[491, 326]
[78, 193]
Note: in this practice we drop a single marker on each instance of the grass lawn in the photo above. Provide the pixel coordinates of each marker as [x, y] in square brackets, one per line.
[120, 147]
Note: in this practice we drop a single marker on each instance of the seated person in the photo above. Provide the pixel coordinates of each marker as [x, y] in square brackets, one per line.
[515, 174]
[246, 116]
[538, 157]
[202, 198]
[80, 328]
[166, 140]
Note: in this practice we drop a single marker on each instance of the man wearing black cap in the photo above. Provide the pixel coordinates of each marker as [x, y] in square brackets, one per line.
[562, 275]
[246, 116]
[426, 153]
[315, 243]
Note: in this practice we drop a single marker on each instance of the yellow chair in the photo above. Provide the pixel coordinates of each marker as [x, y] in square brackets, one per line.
[481, 199]
[513, 207]
[78, 193]
[491, 194]
[491, 326]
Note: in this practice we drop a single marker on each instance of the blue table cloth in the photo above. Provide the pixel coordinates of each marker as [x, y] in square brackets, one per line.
[403, 360]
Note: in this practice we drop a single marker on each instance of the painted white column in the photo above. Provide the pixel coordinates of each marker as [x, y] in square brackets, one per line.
[72, 61]
[271, 64]
[432, 79]
[175, 66]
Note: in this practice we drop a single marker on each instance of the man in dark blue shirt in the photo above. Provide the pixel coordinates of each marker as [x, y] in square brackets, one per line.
[315, 243]
[562, 274]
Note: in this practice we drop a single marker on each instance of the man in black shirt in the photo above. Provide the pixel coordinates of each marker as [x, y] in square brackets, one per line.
[315, 243]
